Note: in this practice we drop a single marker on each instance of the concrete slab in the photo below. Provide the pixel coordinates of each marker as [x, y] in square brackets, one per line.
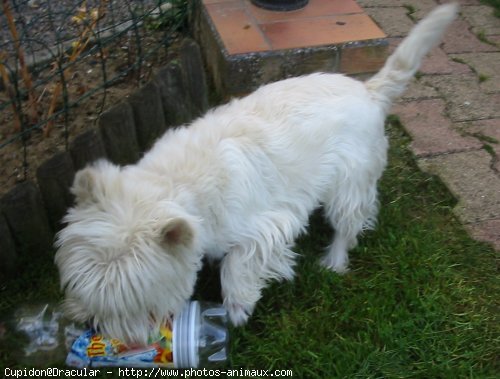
[486, 231]
[419, 90]
[481, 18]
[245, 46]
[459, 39]
[471, 180]
[417, 9]
[438, 62]
[465, 99]
[495, 39]
[393, 21]
[420, 7]
[431, 131]
[469, 2]
[487, 67]
[489, 133]
[379, 3]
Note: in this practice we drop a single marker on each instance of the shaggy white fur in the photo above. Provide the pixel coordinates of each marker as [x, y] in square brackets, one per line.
[239, 185]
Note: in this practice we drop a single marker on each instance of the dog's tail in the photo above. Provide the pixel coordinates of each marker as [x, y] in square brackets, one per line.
[391, 81]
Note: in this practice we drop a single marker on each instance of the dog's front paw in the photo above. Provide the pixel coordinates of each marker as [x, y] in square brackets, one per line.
[238, 313]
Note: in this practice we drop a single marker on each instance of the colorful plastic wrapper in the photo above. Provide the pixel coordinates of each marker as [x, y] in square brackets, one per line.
[93, 350]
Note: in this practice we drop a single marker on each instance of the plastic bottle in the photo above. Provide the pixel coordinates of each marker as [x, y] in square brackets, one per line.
[198, 337]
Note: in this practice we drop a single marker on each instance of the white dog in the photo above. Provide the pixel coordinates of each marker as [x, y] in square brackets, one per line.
[238, 185]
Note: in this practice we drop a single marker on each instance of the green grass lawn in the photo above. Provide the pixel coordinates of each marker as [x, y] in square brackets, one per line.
[420, 301]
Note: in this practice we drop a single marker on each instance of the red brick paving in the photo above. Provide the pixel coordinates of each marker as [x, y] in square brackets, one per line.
[452, 111]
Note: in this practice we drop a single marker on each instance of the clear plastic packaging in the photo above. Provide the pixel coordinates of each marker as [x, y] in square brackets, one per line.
[45, 336]
[41, 331]
[198, 337]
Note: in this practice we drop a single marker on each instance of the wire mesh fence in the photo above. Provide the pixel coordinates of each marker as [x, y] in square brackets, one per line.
[62, 62]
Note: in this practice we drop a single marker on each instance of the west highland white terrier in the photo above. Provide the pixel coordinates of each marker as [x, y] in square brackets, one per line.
[237, 185]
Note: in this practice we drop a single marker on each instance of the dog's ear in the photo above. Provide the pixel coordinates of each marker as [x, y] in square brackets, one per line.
[84, 184]
[177, 233]
[89, 182]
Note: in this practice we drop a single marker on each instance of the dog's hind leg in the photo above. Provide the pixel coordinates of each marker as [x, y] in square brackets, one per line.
[350, 210]
[337, 257]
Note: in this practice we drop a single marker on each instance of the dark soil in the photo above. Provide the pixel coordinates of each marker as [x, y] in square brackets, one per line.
[87, 96]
